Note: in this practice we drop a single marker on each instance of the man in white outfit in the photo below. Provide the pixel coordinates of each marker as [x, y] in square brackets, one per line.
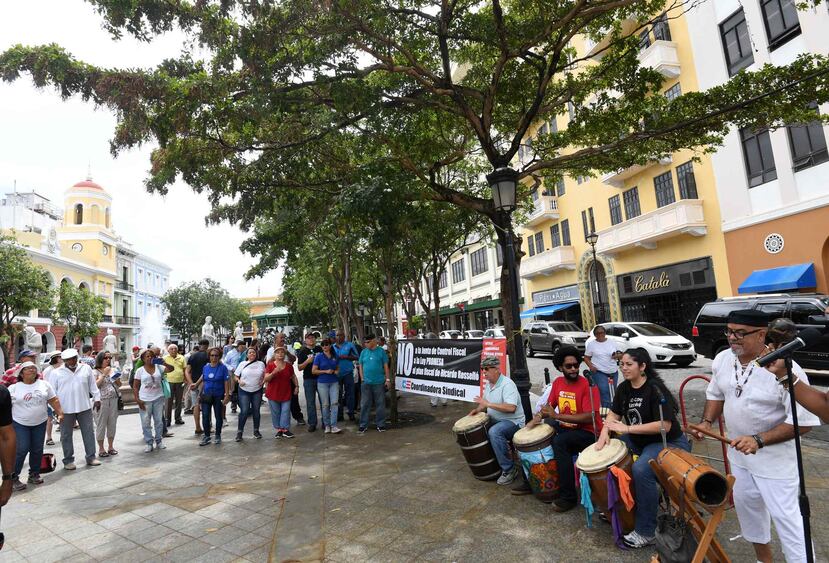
[758, 415]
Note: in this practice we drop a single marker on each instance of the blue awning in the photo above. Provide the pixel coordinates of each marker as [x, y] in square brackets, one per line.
[548, 310]
[780, 279]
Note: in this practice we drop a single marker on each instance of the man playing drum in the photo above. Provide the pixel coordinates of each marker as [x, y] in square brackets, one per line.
[569, 412]
[503, 405]
[762, 455]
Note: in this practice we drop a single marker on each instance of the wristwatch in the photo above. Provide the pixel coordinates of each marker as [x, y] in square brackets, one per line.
[7, 476]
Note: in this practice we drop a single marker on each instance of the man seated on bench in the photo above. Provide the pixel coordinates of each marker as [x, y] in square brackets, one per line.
[503, 405]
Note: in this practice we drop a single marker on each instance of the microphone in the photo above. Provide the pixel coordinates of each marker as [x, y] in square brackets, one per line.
[807, 337]
[589, 377]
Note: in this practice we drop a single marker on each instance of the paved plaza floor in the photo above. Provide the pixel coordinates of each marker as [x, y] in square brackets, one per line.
[403, 495]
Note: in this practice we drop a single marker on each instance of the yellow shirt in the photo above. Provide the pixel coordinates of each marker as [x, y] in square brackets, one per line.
[177, 375]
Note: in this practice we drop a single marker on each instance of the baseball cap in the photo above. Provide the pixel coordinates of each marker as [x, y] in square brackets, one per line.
[490, 362]
[25, 353]
[69, 353]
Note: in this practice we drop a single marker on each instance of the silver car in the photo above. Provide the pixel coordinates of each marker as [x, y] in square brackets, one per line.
[549, 336]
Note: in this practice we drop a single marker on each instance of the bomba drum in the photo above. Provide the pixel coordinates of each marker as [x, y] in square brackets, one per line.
[535, 452]
[470, 433]
[702, 483]
[596, 464]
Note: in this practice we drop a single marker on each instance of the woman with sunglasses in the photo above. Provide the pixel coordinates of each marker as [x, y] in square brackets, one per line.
[106, 418]
[150, 398]
[214, 394]
[326, 367]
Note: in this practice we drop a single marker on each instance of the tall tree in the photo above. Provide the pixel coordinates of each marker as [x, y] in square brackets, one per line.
[188, 304]
[79, 311]
[24, 286]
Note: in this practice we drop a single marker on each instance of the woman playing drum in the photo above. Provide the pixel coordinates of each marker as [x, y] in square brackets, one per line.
[637, 402]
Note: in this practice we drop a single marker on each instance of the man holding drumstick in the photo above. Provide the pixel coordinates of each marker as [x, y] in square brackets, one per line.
[762, 454]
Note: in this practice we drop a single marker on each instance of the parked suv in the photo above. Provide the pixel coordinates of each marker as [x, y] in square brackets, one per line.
[708, 333]
[548, 336]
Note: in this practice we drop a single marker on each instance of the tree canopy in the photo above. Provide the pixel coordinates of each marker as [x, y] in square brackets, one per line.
[188, 304]
[80, 311]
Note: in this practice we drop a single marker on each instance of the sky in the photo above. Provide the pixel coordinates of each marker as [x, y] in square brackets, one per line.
[47, 145]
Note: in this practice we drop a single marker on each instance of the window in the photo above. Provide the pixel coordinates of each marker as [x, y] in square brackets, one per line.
[479, 261]
[443, 280]
[673, 92]
[531, 245]
[800, 311]
[571, 110]
[758, 156]
[560, 190]
[777, 308]
[78, 214]
[539, 242]
[736, 43]
[808, 144]
[588, 222]
[579, 180]
[687, 182]
[780, 18]
[565, 233]
[644, 40]
[615, 210]
[631, 201]
[664, 186]
[555, 236]
[458, 271]
[661, 30]
[499, 255]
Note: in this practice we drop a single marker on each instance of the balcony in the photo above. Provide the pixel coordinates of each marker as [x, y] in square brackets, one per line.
[128, 321]
[596, 49]
[617, 179]
[124, 286]
[679, 218]
[661, 56]
[545, 207]
[106, 319]
[547, 262]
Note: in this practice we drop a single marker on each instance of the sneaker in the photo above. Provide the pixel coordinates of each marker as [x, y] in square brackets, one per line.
[167, 435]
[93, 462]
[521, 487]
[179, 422]
[50, 442]
[148, 448]
[70, 466]
[279, 434]
[635, 540]
[35, 479]
[160, 446]
[257, 435]
[18, 485]
[562, 505]
[312, 429]
[188, 411]
[361, 430]
[287, 434]
[199, 432]
[205, 441]
[381, 428]
[336, 429]
[327, 430]
[508, 477]
[300, 422]
[218, 440]
[238, 436]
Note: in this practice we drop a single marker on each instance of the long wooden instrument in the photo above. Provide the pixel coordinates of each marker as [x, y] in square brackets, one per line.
[701, 430]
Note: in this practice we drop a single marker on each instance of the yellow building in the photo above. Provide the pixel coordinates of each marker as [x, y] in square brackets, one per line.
[659, 246]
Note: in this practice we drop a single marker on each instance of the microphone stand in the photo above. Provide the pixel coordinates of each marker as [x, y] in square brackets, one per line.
[662, 422]
[803, 499]
[588, 376]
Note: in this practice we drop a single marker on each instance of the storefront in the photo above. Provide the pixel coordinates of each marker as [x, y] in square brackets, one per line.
[559, 304]
[670, 295]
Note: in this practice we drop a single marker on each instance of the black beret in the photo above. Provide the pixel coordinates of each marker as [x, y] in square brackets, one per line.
[749, 317]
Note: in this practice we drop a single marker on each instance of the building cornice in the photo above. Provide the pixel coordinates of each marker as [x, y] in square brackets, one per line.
[58, 260]
[794, 209]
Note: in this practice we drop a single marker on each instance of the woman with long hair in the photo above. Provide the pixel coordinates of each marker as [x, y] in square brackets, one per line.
[214, 394]
[635, 416]
[108, 382]
[150, 398]
[250, 376]
[327, 367]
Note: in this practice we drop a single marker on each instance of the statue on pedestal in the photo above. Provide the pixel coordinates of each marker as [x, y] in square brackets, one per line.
[32, 338]
[110, 342]
[207, 331]
[238, 333]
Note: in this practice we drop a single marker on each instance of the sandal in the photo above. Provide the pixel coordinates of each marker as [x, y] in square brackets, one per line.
[50, 442]
[103, 454]
[113, 452]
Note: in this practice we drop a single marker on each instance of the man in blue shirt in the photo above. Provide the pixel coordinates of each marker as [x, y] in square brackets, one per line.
[347, 354]
[374, 374]
[503, 405]
[233, 357]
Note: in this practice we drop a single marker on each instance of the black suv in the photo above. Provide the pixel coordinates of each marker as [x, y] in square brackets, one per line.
[708, 333]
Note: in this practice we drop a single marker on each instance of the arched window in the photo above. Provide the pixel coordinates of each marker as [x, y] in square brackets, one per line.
[107, 218]
[78, 213]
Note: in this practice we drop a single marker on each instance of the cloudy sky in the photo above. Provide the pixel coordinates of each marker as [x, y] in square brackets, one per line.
[46, 145]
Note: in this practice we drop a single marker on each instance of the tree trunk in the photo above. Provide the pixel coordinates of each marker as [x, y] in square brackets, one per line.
[512, 327]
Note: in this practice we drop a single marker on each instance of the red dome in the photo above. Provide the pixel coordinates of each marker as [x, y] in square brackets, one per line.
[88, 184]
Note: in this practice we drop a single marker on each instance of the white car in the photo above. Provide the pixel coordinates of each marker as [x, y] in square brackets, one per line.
[664, 346]
[450, 334]
[473, 334]
[495, 332]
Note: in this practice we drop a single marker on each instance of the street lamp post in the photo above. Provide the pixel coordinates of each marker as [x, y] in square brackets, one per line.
[504, 184]
[592, 239]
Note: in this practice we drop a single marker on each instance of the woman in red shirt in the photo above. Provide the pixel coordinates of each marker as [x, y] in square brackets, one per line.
[278, 377]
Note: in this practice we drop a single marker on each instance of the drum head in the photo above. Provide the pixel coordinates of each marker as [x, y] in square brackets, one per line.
[470, 422]
[592, 460]
[532, 435]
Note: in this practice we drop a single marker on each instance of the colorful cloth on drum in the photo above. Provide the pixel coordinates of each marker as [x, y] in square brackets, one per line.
[541, 470]
[586, 501]
[623, 479]
[613, 511]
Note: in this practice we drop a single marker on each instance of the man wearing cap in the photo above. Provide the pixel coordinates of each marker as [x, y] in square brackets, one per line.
[10, 377]
[74, 382]
[762, 454]
[502, 403]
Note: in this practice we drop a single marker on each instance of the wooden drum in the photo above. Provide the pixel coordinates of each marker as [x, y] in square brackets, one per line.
[535, 452]
[470, 432]
[596, 465]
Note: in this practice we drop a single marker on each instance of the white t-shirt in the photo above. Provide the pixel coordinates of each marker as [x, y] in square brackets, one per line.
[29, 402]
[763, 404]
[150, 384]
[601, 355]
[251, 375]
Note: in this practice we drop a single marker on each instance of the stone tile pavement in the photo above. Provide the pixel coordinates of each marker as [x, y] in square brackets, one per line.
[404, 495]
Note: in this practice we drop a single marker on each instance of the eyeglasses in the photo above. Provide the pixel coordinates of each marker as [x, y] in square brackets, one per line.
[107, 357]
[739, 334]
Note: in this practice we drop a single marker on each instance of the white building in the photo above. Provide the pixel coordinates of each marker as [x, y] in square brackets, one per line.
[152, 280]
